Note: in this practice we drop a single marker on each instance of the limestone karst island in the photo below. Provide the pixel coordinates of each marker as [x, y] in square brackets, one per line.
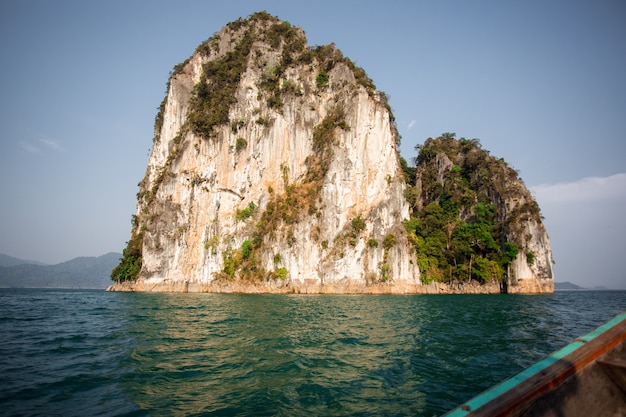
[275, 169]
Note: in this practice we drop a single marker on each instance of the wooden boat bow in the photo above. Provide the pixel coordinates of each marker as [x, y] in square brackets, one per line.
[585, 378]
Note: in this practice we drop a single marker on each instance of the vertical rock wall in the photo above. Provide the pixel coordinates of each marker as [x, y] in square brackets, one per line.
[203, 197]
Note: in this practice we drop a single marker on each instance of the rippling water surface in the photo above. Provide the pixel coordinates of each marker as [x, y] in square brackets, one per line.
[91, 353]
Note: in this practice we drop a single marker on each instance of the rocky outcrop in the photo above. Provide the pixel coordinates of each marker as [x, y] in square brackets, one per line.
[299, 184]
[274, 169]
[492, 227]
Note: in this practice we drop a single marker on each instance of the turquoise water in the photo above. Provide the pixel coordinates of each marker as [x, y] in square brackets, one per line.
[92, 353]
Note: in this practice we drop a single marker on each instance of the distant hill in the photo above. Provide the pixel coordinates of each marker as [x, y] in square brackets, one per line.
[6, 260]
[82, 272]
[570, 286]
[600, 288]
[567, 286]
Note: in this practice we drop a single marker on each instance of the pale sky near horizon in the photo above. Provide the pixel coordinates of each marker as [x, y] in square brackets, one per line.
[542, 84]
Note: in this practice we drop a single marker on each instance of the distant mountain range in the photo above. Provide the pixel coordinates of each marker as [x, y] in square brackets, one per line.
[6, 260]
[83, 272]
[570, 286]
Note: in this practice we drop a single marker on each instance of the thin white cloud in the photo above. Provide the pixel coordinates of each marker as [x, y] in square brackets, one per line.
[585, 189]
[41, 145]
[52, 144]
[411, 124]
[28, 147]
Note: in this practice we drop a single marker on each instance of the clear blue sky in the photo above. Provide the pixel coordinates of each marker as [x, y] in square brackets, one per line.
[542, 84]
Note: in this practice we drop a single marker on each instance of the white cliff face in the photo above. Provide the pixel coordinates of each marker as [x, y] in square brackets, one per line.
[534, 275]
[204, 199]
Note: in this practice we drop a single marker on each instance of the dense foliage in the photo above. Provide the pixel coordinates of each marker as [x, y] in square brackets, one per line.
[130, 264]
[215, 93]
[461, 226]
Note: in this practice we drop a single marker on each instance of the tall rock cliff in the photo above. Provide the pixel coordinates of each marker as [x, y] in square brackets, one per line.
[274, 168]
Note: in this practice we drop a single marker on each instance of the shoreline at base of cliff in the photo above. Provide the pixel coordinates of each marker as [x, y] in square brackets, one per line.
[338, 287]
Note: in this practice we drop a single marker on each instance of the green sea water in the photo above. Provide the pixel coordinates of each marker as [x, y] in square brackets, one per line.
[92, 353]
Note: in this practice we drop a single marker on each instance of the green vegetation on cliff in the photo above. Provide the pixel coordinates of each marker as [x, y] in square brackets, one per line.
[130, 264]
[215, 93]
[462, 224]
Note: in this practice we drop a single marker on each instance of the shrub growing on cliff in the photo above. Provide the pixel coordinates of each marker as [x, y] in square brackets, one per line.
[241, 144]
[389, 241]
[385, 271]
[358, 224]
[510, 253]
[246, 249]
[231, 263]
[277, 32]
[372, 243]
[246, 213]
[281, 273]
[322, 79]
